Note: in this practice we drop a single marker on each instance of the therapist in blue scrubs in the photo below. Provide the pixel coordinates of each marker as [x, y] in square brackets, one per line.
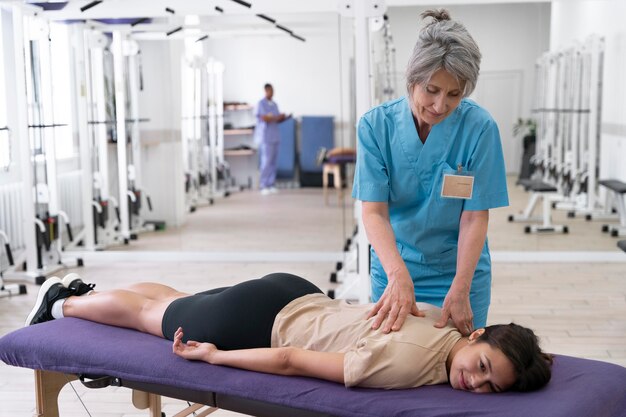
[429, 168]
[267, 137]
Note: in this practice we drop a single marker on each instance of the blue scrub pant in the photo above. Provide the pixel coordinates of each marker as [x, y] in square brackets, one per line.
[432, 289]
[269, 164]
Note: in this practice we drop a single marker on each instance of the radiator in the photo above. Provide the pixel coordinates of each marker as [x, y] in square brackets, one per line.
[70, 197]
[11, 214]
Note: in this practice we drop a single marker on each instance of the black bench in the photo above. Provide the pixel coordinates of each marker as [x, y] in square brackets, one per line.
[539, 190]
[618, 189]
[616, 186]
[537, 186]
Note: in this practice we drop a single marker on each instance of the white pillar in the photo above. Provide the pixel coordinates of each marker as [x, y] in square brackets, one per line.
[120, 115]
[21, 131]
[218, 74]
[98, 115]
[363, 103]
[80, 103]
[133, 82]
[212, 125]
[597, 54]
[362, 11]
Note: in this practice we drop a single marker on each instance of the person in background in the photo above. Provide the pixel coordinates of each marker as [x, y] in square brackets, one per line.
[267, 137]
[429, 167]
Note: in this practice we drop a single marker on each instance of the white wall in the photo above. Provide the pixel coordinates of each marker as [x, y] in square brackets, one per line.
[574, 20]
[305, 75]
[160, 101]
[510, 36]
[8, 92]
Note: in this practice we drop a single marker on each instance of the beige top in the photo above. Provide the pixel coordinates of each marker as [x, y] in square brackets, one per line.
[412, 357]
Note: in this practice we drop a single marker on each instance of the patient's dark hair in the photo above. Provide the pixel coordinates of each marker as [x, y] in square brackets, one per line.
[521, 347]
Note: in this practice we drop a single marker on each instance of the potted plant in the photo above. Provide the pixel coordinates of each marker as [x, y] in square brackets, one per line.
[527, 130]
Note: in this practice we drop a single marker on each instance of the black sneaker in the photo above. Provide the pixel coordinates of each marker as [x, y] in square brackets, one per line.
[76, 284]
[51, 290]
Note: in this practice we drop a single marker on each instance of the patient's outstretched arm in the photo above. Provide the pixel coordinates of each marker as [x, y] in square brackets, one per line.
[279, 361]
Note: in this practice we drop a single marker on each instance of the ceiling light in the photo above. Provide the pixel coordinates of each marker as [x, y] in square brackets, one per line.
[289, 31]
[138, 21]
[90, 5]
[243, 3]
[171, 32]
[269, 19]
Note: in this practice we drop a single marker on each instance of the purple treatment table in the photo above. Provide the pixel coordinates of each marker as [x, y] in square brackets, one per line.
[63, 349]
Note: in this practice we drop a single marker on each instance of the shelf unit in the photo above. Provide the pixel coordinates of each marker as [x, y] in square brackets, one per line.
[239, 147]
[239, 152]
[234, 132]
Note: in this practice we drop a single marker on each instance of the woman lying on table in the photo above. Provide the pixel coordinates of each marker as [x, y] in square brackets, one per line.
[283, 324]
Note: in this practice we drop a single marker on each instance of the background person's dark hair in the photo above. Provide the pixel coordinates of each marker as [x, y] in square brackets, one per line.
[521, 347]
[268, 85]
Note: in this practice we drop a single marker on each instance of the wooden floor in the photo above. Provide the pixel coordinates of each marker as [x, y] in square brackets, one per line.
[577, 308]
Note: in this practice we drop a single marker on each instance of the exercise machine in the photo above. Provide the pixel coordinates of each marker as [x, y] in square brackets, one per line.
[8, 290]
[567, 109]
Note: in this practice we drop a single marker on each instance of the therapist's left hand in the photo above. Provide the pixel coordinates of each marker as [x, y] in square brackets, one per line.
[456, 306]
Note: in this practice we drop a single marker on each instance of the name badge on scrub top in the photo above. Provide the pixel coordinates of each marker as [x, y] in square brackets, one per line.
[458, 185]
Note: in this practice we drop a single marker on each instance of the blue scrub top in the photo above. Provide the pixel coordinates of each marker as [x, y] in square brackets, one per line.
[393, 166]
[266, 132]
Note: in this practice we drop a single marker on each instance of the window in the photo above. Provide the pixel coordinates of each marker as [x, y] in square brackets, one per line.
[49, 90]
[5, 137]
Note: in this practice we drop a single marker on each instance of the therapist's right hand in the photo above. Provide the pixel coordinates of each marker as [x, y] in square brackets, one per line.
[396, 303]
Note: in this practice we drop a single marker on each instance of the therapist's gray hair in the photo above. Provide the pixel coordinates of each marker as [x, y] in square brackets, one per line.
[444, 43]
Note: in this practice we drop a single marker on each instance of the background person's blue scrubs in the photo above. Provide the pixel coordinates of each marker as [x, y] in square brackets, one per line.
[394, 166]
[267, 136]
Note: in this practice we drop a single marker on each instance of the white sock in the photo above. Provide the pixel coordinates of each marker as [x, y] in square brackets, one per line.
[57, 309]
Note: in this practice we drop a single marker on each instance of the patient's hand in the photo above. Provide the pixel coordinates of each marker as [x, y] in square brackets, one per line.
[192, 350]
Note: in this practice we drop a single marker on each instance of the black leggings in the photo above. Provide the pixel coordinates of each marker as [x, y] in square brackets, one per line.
[237, 317]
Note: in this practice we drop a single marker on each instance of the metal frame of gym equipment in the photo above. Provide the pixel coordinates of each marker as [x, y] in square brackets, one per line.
[196, 145]
[128, 174]
[137, 194]
[615, 191]
[223, 184]
[567, 104]
[44, 252]
[100, 208]
[582, 159]
[547, 97]
[87, 42]
[354, 275]
[387, 76]
[9, 290]
[115, 219]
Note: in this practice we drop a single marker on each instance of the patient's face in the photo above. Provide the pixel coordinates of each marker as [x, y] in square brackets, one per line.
[478, 367]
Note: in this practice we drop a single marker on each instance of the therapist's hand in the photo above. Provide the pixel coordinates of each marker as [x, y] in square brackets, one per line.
[396, 303]
[456, 306]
